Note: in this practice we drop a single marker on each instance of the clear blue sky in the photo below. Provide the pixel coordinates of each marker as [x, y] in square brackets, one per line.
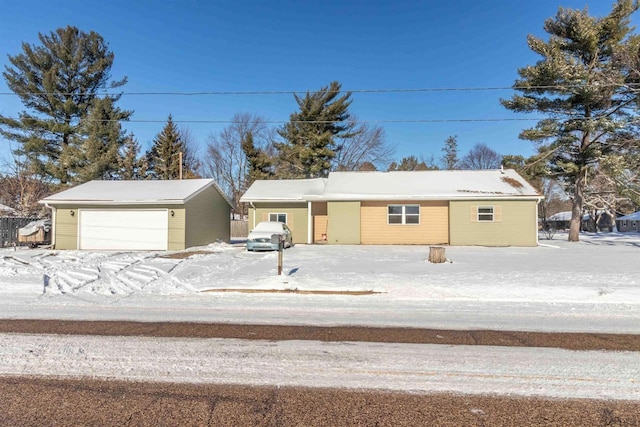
[254, 45]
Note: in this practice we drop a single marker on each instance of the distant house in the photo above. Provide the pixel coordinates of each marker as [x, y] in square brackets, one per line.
[559, 221]
[487, 207]
[629, 223]
[139, 215]
[6, 210]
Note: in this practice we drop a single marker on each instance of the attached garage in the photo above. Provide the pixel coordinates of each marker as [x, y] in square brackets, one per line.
[139, 215]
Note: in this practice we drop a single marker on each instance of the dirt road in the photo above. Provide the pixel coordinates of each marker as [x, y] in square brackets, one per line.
[30, 401]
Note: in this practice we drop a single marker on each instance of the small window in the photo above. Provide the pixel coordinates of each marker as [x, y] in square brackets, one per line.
[403, 214]
[485, 213]
[278, 217]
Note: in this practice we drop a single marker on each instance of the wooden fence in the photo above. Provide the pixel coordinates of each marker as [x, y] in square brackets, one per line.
[9, 226]
[239, 229]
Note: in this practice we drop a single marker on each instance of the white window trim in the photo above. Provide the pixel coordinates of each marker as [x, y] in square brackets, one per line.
[403, 215]
[493, 213]
[286, 217]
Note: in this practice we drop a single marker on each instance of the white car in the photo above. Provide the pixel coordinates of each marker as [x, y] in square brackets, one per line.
[259, 238]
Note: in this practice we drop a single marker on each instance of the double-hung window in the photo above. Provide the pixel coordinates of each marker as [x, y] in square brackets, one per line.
[485, 213]
[403, 214]
[278, 217]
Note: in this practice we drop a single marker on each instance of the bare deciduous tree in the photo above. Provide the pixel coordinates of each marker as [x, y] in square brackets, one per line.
[481, 157]
[226, 162]
[367, 146]
[21, 190]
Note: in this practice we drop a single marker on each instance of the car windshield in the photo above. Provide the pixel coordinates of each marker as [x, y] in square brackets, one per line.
[268, 226]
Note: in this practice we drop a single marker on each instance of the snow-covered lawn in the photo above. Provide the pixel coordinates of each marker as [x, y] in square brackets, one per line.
[597, 276]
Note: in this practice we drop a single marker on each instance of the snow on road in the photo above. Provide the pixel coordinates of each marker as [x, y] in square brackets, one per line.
[592, 285]
[417, 368]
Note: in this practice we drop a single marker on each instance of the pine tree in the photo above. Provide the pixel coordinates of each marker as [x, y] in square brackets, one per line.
[131, 166]
[310, 135]
[450, 159]
[584, 83]
[259, 163]
[58, 80]
[95, 151]
[164, 156]
[410, 163]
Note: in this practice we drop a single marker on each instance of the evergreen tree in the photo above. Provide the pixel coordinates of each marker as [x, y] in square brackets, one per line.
[94, 153]
[131, 166]
[585, 84]
[310, 135]
[410, 163]
[450, 159]
[58, 81]
[164, 156]
[259, 163]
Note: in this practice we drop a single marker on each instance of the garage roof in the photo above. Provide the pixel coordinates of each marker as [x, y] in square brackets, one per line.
[133, 192]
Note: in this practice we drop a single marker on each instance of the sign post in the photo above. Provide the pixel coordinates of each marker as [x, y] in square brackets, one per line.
[278, 239]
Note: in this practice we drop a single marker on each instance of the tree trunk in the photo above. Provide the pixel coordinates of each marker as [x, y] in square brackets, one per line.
[437, 255]
[576, 208]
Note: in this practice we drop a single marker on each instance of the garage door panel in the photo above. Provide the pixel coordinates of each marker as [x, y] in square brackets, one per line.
[142, 229]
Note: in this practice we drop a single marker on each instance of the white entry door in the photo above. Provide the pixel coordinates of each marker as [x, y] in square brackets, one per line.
[128, 229]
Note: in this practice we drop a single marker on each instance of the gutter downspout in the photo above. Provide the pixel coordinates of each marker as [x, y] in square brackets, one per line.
[309, 224]
[537, 222]
[254, 214]
[53, 224]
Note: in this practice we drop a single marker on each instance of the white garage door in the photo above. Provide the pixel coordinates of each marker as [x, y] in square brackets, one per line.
[142, 229]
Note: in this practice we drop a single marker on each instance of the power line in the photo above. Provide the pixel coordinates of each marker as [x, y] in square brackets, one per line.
[400, 121]
[295, 92]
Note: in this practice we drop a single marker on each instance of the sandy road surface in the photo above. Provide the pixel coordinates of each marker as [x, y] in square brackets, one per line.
[106, 349]
[48, 402]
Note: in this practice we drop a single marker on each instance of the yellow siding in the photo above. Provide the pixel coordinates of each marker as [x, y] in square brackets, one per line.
[208, 219]
[320, 228]
[344, 222]
[433, 227]
[515, 223]
[297, 218]
[66, 228]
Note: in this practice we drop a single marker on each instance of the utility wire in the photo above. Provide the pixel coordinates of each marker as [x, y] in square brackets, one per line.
[295, 92]
[408, 121]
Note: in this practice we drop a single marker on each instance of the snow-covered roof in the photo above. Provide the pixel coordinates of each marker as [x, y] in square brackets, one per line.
[133, 192]
[397, 185]
[5, 208]
[631, 217]
[560, 216]
[284, 190]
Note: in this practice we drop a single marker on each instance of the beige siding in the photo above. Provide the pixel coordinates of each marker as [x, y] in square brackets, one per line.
[433, 227]
[176, 240]
[207, 219]
[66, 228]
[344, 222]
[515, 223]
[297, 218]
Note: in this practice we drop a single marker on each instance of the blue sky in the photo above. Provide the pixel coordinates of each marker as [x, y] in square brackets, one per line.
[252, 45]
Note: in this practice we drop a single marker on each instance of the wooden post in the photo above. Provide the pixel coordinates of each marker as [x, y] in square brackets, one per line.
[280, 259]
[437, 255]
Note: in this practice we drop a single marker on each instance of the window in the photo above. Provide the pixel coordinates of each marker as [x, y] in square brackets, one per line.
[278, 217]
[403, 214]
[485, 213]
